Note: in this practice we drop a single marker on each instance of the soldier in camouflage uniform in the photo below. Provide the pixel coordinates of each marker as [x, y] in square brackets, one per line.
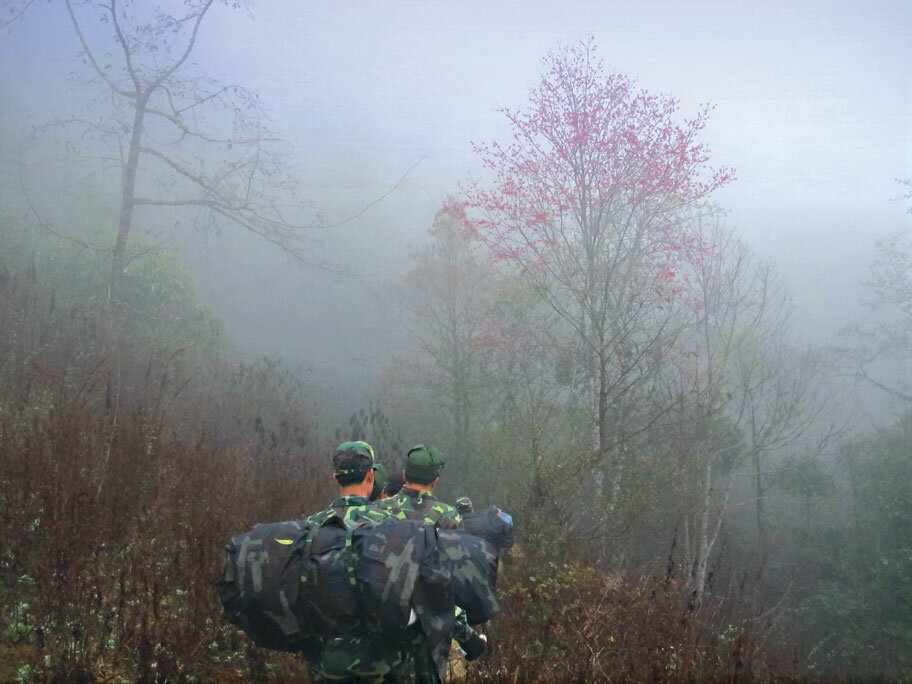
[416, 501]
[354, 472]
[381, 480]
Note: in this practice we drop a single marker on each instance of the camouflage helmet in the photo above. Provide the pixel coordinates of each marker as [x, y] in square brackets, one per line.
[423, 464]
[353, 459]
[381, 479]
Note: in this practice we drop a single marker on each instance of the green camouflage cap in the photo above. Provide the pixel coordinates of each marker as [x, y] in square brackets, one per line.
[381, 479]
[464, 505]
[423, 464]
[351, 458]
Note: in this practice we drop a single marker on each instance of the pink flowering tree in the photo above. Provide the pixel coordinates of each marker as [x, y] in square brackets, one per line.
[587, 200]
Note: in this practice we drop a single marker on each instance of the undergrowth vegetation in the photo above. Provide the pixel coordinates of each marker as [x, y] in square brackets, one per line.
[121, 476]
[124, 470]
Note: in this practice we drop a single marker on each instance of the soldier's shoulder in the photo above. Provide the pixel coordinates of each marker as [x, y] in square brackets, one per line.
[319, 517]
[385, 504]
[398, 507]
[366, 512]
[369, 513]
[446, 509]
[397, 501]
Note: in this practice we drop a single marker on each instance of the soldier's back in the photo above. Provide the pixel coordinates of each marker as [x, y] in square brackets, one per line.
[351, 510]
[423, 506]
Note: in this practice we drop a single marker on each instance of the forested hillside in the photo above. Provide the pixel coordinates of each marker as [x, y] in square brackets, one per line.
[123, 475]
[581, 328]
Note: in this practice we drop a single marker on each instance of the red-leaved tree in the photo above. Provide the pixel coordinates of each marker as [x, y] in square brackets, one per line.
[588, 201]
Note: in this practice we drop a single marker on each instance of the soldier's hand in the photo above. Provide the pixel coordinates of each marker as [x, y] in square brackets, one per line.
[475, 646]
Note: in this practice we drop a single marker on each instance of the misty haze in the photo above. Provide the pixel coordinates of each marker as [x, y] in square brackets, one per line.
[593, 321]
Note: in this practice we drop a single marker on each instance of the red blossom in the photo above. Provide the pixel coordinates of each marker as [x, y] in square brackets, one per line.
[590, 151]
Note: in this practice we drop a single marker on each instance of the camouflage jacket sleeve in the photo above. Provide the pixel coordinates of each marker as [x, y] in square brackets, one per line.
[365, 515]
[449, 519]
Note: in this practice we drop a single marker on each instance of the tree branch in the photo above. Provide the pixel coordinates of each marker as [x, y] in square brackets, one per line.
[163, 76]
[377, 201]
[124, 46]
[88, 52]
[890, 390]
[49, 226]
[16, 13]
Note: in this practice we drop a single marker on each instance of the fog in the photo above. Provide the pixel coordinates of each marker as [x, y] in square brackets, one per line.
[812, 107]
[209, 276]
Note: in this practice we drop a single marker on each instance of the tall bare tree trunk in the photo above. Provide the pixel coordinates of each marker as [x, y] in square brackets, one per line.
[760, 513]
[127, 204]
[707, 537]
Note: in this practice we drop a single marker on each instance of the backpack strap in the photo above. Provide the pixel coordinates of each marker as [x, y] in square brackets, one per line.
[340, 514]
[308, 544]
[350, 555]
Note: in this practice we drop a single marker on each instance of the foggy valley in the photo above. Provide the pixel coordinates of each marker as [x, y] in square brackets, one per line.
[641, 274]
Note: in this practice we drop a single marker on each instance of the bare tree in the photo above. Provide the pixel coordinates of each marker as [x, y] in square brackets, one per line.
[740, 392]
[885, 340]
[176, 139]
[444, 299]
[705, 440]
[784, 400]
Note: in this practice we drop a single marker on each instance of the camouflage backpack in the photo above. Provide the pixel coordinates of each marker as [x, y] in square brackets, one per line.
[493, 525]
[291, 584]
[260, 586]
[472, 565]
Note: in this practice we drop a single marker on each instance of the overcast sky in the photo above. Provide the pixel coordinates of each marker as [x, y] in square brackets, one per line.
[813, 108]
